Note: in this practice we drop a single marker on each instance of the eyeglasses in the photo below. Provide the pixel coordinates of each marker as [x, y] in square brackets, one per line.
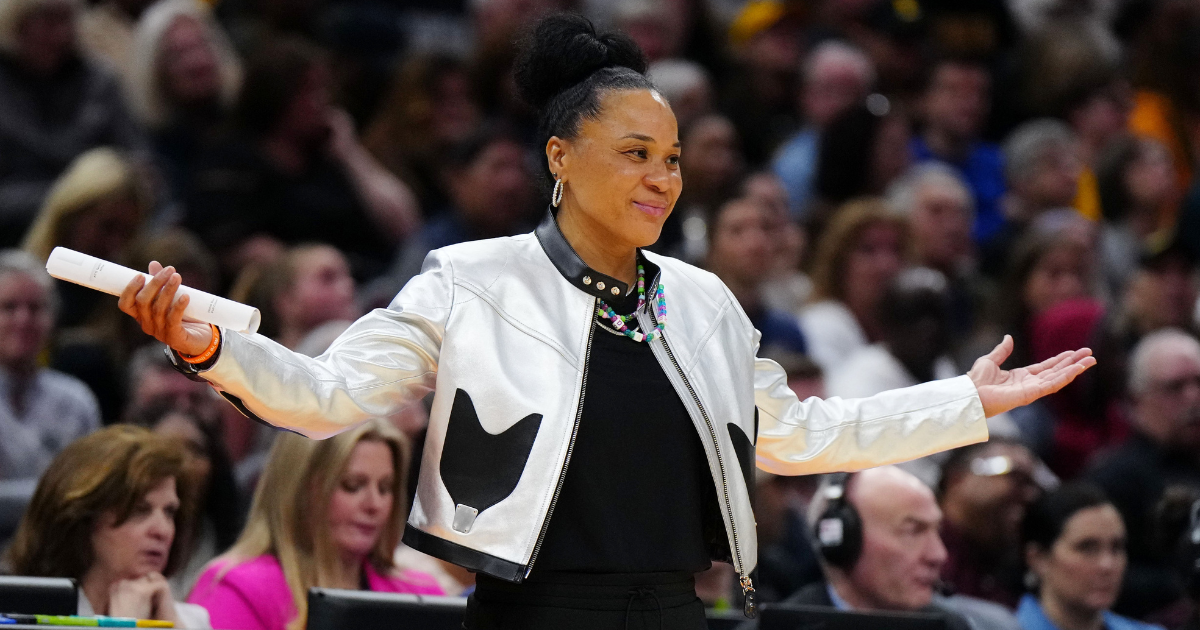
[1176, 386]
[998, 466]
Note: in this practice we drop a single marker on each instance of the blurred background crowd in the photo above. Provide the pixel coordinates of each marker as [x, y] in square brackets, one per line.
[886, 186]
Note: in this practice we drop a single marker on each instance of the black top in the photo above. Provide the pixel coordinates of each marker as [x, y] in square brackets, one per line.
[638, 494]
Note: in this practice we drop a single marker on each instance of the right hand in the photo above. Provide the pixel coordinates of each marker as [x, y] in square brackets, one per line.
[147, 597]
[154, 306]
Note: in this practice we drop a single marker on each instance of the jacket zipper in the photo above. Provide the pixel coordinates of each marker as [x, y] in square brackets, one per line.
[562, 474]
[749, 608]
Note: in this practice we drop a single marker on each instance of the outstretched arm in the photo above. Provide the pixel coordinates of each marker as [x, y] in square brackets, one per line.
[817, 436]
[382, 362]
[1001, 390]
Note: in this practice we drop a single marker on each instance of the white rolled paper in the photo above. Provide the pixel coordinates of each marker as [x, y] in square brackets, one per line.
[111, 278]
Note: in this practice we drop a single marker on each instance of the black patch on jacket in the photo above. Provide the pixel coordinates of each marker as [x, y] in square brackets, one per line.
[744, 448]
[478, 468]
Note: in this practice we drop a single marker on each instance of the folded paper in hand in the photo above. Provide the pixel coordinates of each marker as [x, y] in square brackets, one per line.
[101, 275]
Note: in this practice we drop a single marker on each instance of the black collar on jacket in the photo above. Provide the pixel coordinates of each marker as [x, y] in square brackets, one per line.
[572, 267]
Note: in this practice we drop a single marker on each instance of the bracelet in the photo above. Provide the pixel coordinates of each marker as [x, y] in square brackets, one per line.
[207, 354]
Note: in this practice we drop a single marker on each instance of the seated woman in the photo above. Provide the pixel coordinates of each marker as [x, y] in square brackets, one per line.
[857, 256]
[1074, 543]
[111, 512]
[326, 513]
[217, 519]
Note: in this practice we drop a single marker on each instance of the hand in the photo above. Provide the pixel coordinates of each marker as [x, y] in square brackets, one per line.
[147, 597]
[154, 306]
[343, 139]
[1002, 390]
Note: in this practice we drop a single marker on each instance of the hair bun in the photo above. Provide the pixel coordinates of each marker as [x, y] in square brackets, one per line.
[563, 50]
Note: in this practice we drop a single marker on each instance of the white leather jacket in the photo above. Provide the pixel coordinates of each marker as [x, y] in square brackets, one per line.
[500, 330]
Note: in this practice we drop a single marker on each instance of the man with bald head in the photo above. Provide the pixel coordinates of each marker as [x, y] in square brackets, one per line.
[1163, 450]
[891, 560]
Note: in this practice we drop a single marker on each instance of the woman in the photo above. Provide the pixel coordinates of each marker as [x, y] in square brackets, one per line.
[218, 518]
[861, 152]
[306, 287]
[324, 514]
[856, 258]
[184, 79]
[1136, 189]
[41, 410]
[570, 518]
[98, 207]
[111, 512]
[1075, 547]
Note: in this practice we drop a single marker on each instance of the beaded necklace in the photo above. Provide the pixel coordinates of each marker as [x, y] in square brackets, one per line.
[621, 322]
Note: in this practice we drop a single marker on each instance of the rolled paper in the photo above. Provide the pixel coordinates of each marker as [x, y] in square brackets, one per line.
[111, 278]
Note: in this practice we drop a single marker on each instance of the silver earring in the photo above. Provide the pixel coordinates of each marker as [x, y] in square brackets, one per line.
[556, 196]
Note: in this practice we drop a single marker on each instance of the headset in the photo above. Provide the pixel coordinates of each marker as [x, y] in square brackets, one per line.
[837, 533]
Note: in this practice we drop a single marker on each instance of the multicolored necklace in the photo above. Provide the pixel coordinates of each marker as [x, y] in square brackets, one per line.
[621, 322]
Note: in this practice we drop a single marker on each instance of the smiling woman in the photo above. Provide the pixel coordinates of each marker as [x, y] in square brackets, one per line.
[585, 456]
[111, 512]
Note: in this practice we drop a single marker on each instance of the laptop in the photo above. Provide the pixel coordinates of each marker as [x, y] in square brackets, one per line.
[796, 617]
[336, 609]
[38, 595]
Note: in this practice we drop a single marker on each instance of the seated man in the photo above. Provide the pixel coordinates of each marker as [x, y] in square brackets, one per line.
[984, 492]
[876, 532]
[1164, 398]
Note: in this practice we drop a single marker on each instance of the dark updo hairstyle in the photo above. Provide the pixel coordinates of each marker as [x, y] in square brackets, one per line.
[565, 67]
[1048, 516]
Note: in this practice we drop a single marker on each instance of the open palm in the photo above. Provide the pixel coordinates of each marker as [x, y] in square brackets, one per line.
[1001, 390]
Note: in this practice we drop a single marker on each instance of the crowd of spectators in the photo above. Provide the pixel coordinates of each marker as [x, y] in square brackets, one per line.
[885, 186]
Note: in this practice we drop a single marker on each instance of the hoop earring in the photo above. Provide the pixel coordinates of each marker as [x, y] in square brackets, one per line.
[557, 195]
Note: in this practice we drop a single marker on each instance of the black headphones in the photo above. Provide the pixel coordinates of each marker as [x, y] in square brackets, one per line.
[837, 533]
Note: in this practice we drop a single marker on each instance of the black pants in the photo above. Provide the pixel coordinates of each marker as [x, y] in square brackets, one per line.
[583, 601]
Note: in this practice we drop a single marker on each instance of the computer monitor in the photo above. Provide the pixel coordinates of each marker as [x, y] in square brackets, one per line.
[336, 609]
[38, 595]
[794, 617]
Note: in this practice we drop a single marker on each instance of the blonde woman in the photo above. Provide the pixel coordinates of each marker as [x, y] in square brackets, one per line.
[326, 513]
[98, 207]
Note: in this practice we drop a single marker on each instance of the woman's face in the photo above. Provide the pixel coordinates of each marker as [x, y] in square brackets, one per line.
[1061, 274]
[25, 318]
[184, 429]
[142, 544]
[1150, 178]
[1083, 569]
[323, 290]
[713, 159]
[188, 63]
[621, 172]
[104, 229]
[876, 256]
[362, 500]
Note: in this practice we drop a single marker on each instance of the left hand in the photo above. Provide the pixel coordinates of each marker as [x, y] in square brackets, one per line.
[1002, 390]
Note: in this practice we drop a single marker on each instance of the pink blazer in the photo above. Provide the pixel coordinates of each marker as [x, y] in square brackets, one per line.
[254, 595]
